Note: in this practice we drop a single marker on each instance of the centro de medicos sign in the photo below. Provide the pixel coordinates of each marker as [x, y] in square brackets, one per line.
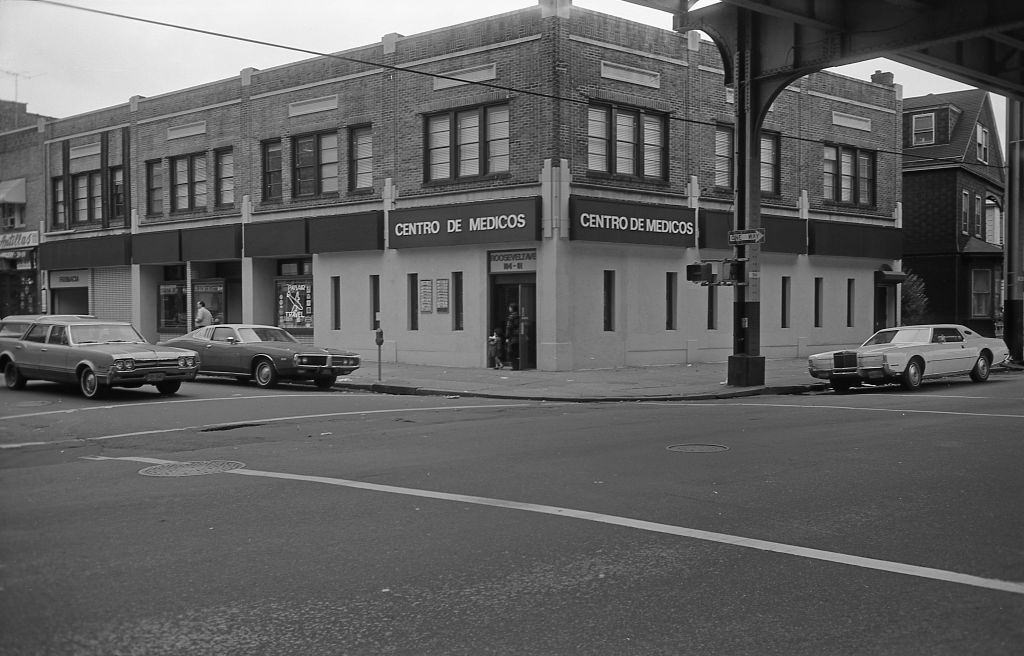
[631, 223]
[488, 222]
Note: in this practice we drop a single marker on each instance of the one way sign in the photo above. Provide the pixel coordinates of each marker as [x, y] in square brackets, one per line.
[742, 237]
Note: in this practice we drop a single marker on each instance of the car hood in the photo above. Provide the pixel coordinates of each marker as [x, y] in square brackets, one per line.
[283, 348]
[874, 348]
[147, 351]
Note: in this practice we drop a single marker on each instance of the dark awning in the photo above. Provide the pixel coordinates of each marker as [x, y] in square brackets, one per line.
[889, 277]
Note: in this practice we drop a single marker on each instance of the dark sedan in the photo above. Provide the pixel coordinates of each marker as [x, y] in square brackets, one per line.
[264, 354]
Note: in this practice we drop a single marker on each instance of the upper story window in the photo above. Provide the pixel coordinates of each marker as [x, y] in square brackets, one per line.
[923, 129]
[360, 166]
[188, 180]
[849, 175]
[315, 165]
[224, 177]
[623, 141]
[87, 197]
[965, 212]
[12, 215]
[59, 219]
[979, 221]
[467, 143]
[723, 156]
[118, 199]
[154, 188]
[271, 163]
[981, 137]
[770, 163]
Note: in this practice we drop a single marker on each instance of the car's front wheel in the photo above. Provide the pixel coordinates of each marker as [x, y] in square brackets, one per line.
[168, 387]
[324, 382]
[12, 376]
[912, 375]
[981, 370]
[264, 373]
[90, 384]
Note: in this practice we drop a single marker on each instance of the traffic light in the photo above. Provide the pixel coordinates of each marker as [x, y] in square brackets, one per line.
[700, 272]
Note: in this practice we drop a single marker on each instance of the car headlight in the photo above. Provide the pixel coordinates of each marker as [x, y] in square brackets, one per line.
[186, 361]
[124, 364]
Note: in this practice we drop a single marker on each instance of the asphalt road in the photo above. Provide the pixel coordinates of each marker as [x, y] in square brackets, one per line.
[302, 522]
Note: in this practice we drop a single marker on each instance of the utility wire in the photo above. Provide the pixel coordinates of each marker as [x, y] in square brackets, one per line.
[489, 85]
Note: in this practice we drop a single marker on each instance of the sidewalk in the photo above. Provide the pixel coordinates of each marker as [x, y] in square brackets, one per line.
[704, 380]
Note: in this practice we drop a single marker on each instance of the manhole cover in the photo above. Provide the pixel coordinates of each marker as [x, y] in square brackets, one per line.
[698, 448]
[199, 468]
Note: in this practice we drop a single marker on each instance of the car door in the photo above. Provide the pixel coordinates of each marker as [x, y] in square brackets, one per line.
[53, 355]
[945, 352]
[221, 353]
[29, 351]
[964, 353]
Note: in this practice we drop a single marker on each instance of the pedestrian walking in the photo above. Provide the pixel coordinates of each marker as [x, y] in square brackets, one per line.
[203, 316]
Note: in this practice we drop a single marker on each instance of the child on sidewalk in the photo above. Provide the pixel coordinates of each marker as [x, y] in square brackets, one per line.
[494, 350]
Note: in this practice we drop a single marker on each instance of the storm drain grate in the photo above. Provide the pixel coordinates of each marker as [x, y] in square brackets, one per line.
[197, 468]
[698, 448]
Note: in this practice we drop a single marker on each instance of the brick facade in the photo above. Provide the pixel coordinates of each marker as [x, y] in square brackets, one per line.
[548, 69]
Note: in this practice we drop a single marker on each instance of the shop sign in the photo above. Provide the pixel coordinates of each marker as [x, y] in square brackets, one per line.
[426, 295]
[515, 219]
[512, 261]
[442, 294]
[16, 240]
[69, 278]
[631, 223]
[295, 303]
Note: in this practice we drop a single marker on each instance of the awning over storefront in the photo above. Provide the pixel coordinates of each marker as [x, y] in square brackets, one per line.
[889, 277]
[12, 191]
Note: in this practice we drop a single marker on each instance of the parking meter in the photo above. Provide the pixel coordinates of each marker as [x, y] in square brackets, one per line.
[380, 337]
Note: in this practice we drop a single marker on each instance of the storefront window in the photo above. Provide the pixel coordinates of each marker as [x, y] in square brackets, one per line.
[295, 303]
[210, 292]
[173, 313]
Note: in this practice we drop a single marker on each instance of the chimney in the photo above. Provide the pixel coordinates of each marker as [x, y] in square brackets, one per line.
[886, 78]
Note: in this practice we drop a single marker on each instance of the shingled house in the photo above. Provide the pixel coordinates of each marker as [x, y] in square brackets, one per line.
[953, 184]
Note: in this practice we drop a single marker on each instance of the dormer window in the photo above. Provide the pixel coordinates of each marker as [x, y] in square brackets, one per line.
[924, 129]
[981, 136]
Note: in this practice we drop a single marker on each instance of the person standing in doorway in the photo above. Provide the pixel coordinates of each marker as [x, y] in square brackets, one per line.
[512, 335]
[494, 349]
[203, 316]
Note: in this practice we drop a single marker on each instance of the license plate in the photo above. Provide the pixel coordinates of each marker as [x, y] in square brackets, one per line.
[154, 378]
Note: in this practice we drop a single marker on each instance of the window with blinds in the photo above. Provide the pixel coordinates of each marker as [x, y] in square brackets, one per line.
[723, 156]
[467, 143]
[626, 142]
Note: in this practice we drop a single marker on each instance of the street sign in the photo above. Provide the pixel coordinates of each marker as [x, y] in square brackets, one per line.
[741, 237]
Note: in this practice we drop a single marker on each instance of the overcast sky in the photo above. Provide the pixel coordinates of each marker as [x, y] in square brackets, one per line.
[63, 61]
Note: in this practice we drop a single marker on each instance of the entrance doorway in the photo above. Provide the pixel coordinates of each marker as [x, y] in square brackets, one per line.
[71, 300]
[514, 311]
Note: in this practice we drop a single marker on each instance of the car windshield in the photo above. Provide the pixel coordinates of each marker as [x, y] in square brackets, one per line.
[102, 333]
[899, 336]
[265, 335]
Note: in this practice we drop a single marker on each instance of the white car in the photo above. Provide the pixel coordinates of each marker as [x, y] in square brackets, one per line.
[909, 354]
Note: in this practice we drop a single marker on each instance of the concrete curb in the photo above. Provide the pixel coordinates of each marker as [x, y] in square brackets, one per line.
[411, 390]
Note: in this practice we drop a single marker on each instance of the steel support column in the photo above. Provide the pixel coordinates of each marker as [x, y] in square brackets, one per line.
[1013, 310]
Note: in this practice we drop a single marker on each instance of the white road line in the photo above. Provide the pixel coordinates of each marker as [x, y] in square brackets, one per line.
[270, 420]
[123, 406]
[810, 406]
[639, 524]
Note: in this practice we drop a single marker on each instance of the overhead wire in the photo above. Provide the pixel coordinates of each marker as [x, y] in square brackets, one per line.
[490, 85]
